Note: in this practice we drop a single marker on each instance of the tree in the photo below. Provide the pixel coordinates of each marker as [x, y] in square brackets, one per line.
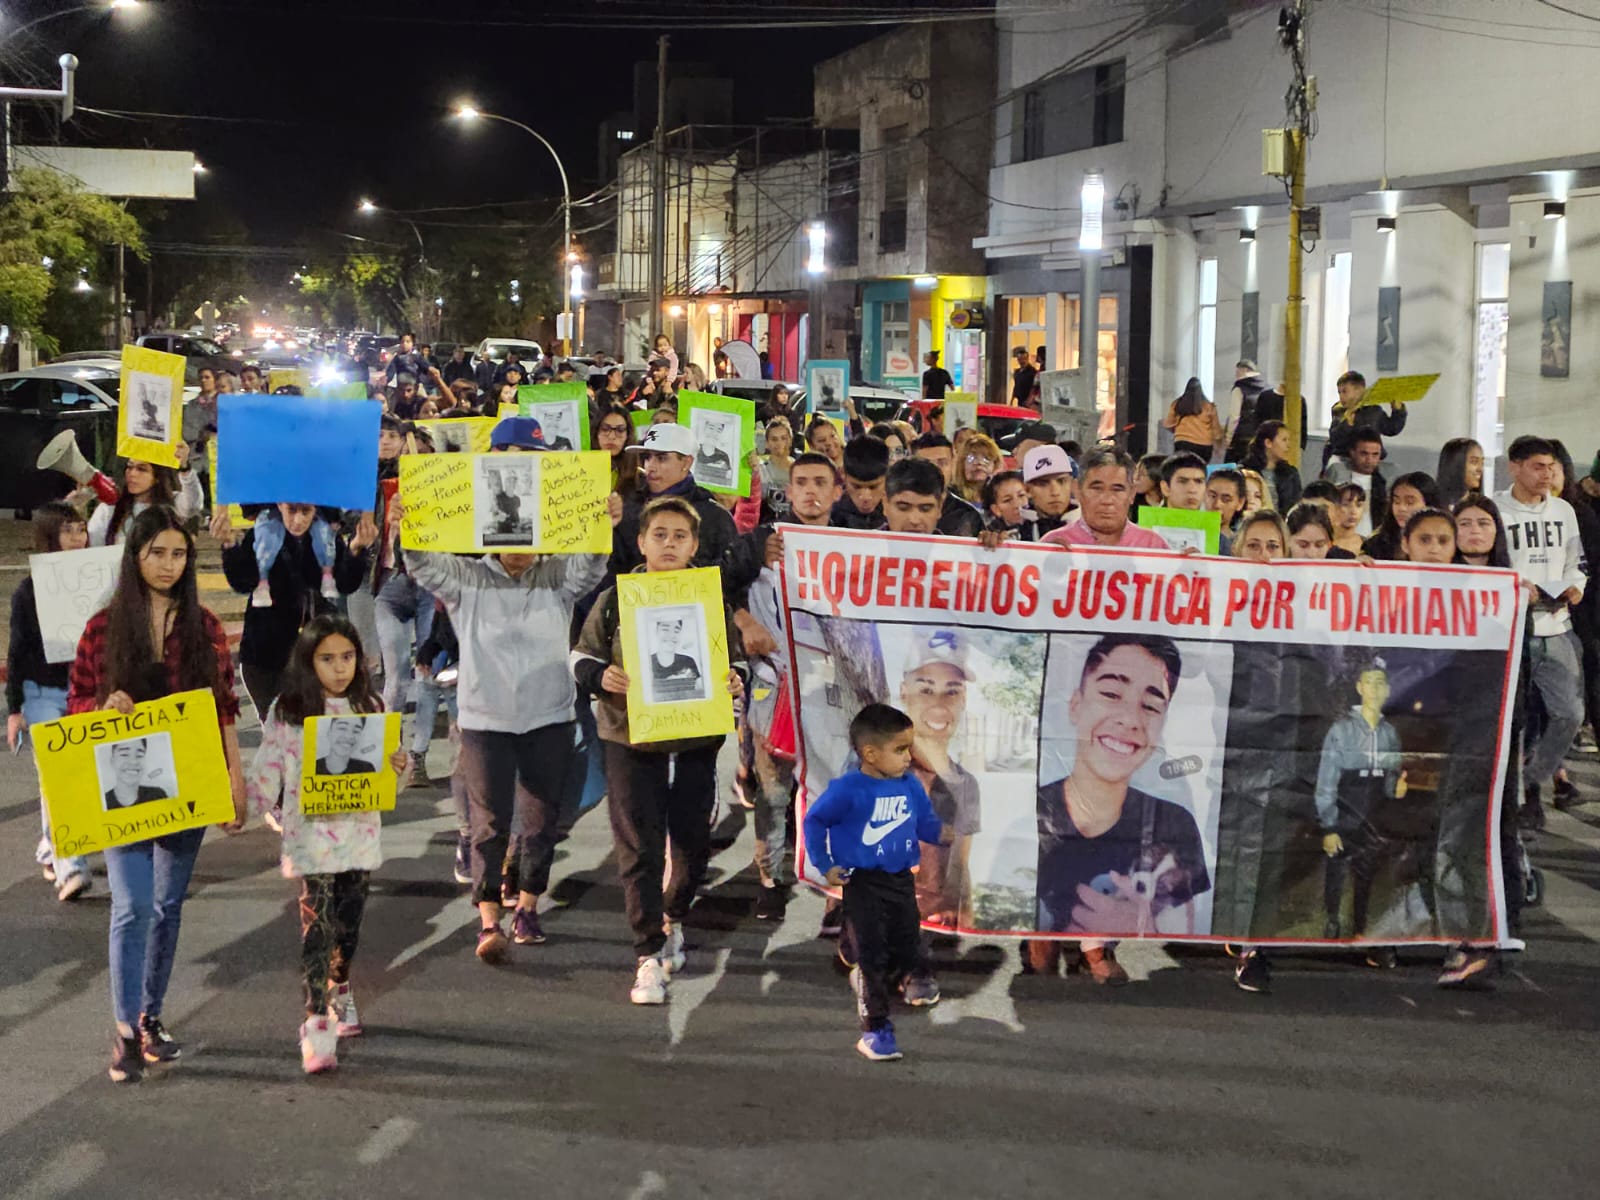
[51, 232]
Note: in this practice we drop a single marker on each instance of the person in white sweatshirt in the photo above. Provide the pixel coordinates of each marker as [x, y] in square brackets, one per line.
[515, 700]
[1547, 552]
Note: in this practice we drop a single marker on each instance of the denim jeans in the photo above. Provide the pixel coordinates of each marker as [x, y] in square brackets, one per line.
[1556, 672]
[41, 704]
[404, 617]
[148, 882]
[429, 697]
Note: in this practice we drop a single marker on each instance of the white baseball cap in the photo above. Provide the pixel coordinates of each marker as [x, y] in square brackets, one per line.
[1047, 460]
[667, 438]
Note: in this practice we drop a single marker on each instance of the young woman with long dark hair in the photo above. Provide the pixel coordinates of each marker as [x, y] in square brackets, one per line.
[153, 639]
[1460, 471]
[1193, 420]
[1269, 455]
[1408, 495]
[145, 485]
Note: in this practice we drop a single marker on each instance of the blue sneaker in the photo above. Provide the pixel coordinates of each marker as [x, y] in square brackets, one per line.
[879, 1045]
[525, 928]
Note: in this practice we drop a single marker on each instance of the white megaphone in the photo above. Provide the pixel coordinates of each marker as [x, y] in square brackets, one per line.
[62, 454]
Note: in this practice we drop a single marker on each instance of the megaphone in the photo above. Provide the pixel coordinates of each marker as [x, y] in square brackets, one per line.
[62, 454]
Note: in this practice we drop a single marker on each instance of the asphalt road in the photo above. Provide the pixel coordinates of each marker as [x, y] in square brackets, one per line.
[539, 1079]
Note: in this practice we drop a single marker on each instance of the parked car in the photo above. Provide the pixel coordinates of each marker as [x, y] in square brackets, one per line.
[198, 351]
[1000, 421]
[497, 350]
[35, 406]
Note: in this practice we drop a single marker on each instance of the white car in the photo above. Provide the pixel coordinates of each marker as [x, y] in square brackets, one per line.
[497, 350]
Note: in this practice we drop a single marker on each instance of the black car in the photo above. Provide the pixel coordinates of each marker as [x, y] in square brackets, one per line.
[35, 406]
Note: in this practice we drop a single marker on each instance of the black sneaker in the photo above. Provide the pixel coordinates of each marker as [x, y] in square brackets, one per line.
[1531, 815]
[419, 771]
[1564, 795]
[1253, 974]
[1382, 958]
[127, 1061]
[1468, 969]
[770, 903]
[159, 1046]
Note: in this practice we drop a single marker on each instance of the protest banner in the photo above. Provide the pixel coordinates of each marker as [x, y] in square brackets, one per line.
[460, 435]
[724, 429]
[344, 765]
[109, 779]
[675, 653]
[150, 414]
[1147, 744]
[69, 587]
[827, 384]
[541, 503]
[236, 517]
[1399, 389]
[1181, 527]
[297, 449]
[562, 410]
[960, 412]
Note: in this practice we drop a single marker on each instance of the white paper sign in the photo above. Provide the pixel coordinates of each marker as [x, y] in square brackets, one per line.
[69, 587]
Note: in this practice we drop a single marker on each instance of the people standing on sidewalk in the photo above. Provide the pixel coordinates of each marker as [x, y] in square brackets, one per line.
[659, 790]
[36, 690]
[150, 640]
[332, 856]
[515, 701]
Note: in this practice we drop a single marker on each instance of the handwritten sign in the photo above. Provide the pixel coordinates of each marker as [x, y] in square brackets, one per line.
[150, 415]
[69, 587]
[541, 503]
[1399, 389]
[110, 779]
[1181, 528]
[675, 653]
[960, 412]
[345, 764]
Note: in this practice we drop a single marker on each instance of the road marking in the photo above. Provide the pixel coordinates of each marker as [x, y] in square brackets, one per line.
[212, 581]
[991, 1002]
[64, 1172]
[686, 995]
[386, 1139]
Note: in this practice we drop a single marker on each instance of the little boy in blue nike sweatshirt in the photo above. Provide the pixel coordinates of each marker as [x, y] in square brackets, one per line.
[863, 833]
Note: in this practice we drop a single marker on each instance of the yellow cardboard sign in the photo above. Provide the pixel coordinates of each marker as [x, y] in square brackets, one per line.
[960, 412]
[1399, 389]
[236, 517]
[508, 410]
[110, 779]
[344, 766]
[462, 435]
[278, 377]
[150, 415]
[675, 653]
[540, 503]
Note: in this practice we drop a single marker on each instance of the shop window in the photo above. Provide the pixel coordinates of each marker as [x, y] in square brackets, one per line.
[894, 332]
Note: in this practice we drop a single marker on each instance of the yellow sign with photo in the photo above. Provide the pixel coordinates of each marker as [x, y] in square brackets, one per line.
[236, 517]
[960, 412]
[344, 764]
[675, 653]
[461, 435]
[110, 779]
[297, 377]
[150, 413]
[539, 503]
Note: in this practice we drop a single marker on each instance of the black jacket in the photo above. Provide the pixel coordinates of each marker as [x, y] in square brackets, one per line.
[1284, 479]
[295, 581]
[959, 519]
[25, 656]
[717, 530]
[845, 515]
[1369, 416]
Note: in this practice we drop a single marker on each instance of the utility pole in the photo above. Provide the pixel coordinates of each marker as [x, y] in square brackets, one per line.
[658, 197]
[1302, 103]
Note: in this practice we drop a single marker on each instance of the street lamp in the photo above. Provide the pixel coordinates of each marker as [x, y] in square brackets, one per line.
[366, 208]
[104, 7]
[466, 112]
[1090, 240]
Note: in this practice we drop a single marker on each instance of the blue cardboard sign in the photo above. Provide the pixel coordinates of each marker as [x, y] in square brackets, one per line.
[298, 450]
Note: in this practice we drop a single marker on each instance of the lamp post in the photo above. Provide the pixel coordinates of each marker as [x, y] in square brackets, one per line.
[367, 208]
[1090, 240]
[467, 112]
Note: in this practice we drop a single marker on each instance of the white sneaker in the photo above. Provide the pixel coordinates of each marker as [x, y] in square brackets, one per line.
[649, 982]
[73, 886]
[342, 1008]
[319, 1045]
[262, 596]
[672, 957]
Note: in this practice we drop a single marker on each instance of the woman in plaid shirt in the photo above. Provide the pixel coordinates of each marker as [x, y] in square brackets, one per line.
[153, 639]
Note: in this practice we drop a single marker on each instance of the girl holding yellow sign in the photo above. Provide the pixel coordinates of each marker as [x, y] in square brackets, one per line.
[151, 640]
[332, 856]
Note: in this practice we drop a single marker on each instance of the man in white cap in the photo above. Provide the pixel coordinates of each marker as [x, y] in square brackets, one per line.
[667, 470]
[1050, 476]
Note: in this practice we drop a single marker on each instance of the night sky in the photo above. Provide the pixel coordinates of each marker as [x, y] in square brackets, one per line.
[350, 98]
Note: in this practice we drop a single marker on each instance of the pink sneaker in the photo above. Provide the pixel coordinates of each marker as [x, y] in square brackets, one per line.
[319, 1045]
[342, 1008]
